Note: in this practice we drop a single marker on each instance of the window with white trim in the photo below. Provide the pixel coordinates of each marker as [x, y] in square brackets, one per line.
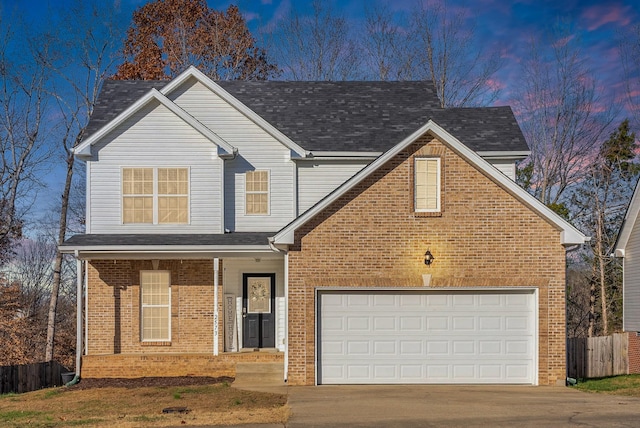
[155, 305]
[173, 195]
[137, 195]
[155, 195]
[257, 192]
[427, 185]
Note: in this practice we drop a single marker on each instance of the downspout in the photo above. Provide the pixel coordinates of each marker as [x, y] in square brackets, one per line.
[79, 298]
[216, 269]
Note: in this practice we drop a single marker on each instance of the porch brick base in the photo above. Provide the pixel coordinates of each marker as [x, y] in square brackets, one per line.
[171, 365]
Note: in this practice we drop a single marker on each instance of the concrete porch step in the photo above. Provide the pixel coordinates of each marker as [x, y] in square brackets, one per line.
[259, 375]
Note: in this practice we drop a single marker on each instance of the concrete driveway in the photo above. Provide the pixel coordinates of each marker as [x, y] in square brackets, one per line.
[457, 406]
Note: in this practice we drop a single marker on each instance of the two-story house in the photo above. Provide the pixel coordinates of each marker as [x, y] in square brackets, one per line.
[354, 232]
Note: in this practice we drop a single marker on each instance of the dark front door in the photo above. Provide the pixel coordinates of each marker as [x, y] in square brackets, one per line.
[258, 310]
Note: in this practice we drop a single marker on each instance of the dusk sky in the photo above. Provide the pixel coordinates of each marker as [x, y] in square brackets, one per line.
[506, 26]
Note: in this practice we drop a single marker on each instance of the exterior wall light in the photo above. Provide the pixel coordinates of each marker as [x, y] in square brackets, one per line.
[428, 258]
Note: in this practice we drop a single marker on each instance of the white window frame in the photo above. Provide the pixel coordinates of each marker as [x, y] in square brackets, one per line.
[155, 194]
[268, 193]
[135, 195]
[438, 207]
[143, 306]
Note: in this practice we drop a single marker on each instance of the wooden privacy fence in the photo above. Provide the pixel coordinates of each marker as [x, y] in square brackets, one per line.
[30, 377]
[592, 357]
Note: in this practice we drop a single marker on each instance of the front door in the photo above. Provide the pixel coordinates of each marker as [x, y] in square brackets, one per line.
[258, 310]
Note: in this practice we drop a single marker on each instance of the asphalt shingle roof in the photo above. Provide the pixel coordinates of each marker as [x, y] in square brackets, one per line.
[181, 239]
[343, 116]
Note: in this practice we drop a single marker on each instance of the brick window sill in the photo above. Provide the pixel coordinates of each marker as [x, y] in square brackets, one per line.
[427, 214]
[155, 343]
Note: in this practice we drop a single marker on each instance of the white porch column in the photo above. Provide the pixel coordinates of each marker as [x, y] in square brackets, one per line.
[286, 316]
[216, 268]
[79, 300]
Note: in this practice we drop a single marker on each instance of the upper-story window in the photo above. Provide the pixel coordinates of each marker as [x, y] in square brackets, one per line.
[155, 195]
[427, 185]
[257, 192]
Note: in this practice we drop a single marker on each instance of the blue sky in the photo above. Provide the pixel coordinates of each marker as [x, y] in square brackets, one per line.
[506, 26]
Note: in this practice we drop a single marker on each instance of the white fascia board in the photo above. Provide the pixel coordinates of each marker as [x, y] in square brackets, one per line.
[569, 236]
[630, 218]
[500, 154]
[167, 248]
[167, 255]
[84, 149]
[235, 103]
[317, 154]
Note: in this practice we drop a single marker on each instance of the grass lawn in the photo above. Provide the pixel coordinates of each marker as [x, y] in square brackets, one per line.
[617, 385]
[217, 404]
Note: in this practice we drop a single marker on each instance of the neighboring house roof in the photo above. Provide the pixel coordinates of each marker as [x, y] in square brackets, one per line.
[630, 218]
[340, 116]
[569, 234]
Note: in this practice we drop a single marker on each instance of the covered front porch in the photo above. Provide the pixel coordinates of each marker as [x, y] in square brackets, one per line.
[180, 310]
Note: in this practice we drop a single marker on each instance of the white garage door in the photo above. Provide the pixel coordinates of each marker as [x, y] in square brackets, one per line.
[440, 336]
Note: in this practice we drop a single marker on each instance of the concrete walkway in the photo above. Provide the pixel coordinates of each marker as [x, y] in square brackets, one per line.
[457, 406]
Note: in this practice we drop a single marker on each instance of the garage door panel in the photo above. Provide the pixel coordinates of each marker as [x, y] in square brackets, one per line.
[435, 323]
[463, 323]
[423, 337]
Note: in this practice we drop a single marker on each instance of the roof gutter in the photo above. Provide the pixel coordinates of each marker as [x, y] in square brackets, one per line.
[324, 155]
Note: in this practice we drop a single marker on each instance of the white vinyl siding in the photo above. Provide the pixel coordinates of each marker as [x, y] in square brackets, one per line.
[155, 138]
[427, 185]
[317, 179]
[257, 150]
[631, 284]
[507, 167]
[155, 302]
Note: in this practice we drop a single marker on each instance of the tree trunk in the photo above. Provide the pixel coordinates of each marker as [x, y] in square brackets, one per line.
[601, 279]
[57, 268]
[592, 307]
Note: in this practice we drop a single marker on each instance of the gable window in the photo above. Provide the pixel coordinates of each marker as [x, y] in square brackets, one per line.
[155, 195]
[155, 302]
[427, 185]
[257, 192]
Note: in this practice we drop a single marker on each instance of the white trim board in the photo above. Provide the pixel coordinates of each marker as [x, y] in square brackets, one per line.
[83, 151]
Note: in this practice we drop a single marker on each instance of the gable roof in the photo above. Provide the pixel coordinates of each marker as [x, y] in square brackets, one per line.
[348, 116]
[569, 234]
[84, 149]
[630, 218]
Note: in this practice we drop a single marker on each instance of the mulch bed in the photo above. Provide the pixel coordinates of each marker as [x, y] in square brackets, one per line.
[148, 382]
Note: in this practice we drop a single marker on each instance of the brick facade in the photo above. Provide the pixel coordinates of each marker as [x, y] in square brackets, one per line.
[634, 353]
[113, 313]
[483, 237]
[134, 366]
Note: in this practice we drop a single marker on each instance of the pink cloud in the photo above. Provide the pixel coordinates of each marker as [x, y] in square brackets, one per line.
[495, 84]
[563, 41]
[600, 15]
